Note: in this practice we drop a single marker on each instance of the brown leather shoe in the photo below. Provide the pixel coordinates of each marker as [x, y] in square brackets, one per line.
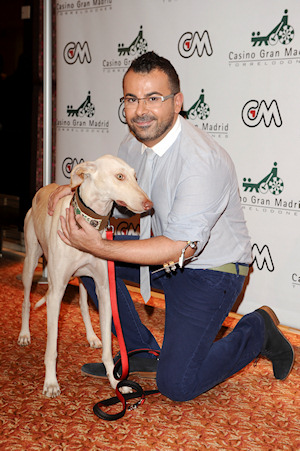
[276, 346]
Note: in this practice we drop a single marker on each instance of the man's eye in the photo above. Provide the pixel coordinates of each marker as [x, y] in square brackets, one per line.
[130, 100]
[154, 99]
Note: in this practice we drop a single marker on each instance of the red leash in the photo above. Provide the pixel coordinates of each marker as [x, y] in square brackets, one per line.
[138, 391]
[115, 312]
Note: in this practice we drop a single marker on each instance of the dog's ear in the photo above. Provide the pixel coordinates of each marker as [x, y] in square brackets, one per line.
[81, 171]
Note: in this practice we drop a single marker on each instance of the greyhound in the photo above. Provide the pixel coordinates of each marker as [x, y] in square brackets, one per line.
[97, 185]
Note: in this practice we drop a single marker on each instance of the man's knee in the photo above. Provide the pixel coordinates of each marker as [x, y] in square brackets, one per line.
[170, 384]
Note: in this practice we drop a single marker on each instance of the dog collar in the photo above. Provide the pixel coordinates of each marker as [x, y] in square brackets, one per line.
[95, 220]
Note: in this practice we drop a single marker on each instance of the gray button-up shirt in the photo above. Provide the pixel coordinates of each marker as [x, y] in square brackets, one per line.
[195, 194]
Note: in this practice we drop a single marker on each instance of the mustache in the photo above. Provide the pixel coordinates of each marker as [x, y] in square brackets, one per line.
[143, 118]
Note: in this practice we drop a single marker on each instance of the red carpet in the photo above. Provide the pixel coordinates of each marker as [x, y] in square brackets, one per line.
[250, 411]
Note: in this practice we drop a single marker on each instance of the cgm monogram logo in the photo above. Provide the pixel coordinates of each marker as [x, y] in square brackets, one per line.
[189, 43]
[253, 113]
[262, 257]
[68, 165]
[73, 52]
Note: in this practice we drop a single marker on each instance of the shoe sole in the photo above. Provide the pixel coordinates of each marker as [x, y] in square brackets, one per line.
[271, 313]
[143, 375]
[275, 320]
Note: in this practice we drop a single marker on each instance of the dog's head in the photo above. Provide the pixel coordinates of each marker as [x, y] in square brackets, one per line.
[109, 179]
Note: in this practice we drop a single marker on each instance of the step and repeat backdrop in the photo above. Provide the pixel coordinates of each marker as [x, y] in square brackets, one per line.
[238, 64]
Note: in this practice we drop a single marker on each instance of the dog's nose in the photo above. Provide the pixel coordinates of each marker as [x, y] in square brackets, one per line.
[147, 204]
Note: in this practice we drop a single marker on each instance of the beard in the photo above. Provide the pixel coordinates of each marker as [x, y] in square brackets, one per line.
[153, 132]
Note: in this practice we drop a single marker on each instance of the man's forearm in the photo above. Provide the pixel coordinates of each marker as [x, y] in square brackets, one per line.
[153, 251]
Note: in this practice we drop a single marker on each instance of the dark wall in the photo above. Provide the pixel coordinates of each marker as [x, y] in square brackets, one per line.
[17, 104]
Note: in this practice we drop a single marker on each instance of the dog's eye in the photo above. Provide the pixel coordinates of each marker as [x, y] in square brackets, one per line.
[120, 176]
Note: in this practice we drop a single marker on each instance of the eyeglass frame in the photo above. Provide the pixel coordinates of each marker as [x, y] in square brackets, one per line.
[163, 98]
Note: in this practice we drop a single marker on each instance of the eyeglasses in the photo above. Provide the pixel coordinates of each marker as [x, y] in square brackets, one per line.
[150, 102]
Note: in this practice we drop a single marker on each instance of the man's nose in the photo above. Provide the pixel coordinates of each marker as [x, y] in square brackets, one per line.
[142, 106]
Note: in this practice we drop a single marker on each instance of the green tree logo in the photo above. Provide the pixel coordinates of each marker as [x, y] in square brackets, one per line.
[271, 182]
[199, 109]
[87, 108]
[283, 33]
[138, 46]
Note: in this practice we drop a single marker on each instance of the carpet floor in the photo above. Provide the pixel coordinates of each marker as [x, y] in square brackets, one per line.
[249, 411]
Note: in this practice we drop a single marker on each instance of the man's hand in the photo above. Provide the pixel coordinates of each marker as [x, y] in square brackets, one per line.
[78, 233]
[61, 191]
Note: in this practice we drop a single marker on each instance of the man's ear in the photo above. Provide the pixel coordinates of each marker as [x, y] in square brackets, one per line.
[80, 171]
[178, 101]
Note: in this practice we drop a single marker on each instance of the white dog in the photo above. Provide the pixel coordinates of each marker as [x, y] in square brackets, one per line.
[98, 184]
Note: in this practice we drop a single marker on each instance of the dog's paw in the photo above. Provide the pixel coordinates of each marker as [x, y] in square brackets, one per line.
[94, 341]
[125, 390]
[24, 339]
[51, 390]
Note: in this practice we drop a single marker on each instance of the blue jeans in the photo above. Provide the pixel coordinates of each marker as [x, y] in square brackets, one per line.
[197, 303]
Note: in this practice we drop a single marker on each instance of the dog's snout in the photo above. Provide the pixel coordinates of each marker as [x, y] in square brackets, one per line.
[147, 204]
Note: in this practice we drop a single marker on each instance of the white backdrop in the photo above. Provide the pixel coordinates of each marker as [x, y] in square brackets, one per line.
[239, 68]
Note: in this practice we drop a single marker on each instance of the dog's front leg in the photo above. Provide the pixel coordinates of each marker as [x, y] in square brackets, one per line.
[105, 323]
[51, 386]
[105, 318]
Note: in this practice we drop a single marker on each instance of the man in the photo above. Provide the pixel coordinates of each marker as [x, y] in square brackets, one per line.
[196, 201]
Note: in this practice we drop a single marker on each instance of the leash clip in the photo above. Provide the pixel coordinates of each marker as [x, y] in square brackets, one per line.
[137, 404]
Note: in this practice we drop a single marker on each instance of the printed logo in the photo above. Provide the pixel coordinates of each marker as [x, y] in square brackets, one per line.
[138, 46]
[74, 52]
[268, 49]
[271, 182]
[271, 186]
[121, 113]
[199, 112]
[82, 118]
[189, 43]
[68, 164]
[295, 279]
[254, 112]
[78, 6]
[85, 109]
[126, 54]
[199, 109]
[127, 228]
[282, 33]
[262, 257]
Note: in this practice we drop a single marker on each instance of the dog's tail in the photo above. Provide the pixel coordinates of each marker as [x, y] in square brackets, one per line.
[40, 302]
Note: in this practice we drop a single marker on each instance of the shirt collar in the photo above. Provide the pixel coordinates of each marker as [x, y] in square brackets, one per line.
[163, 145]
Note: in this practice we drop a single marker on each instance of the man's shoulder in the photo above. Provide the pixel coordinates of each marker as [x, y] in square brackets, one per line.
[196, 135]
[196, 143]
